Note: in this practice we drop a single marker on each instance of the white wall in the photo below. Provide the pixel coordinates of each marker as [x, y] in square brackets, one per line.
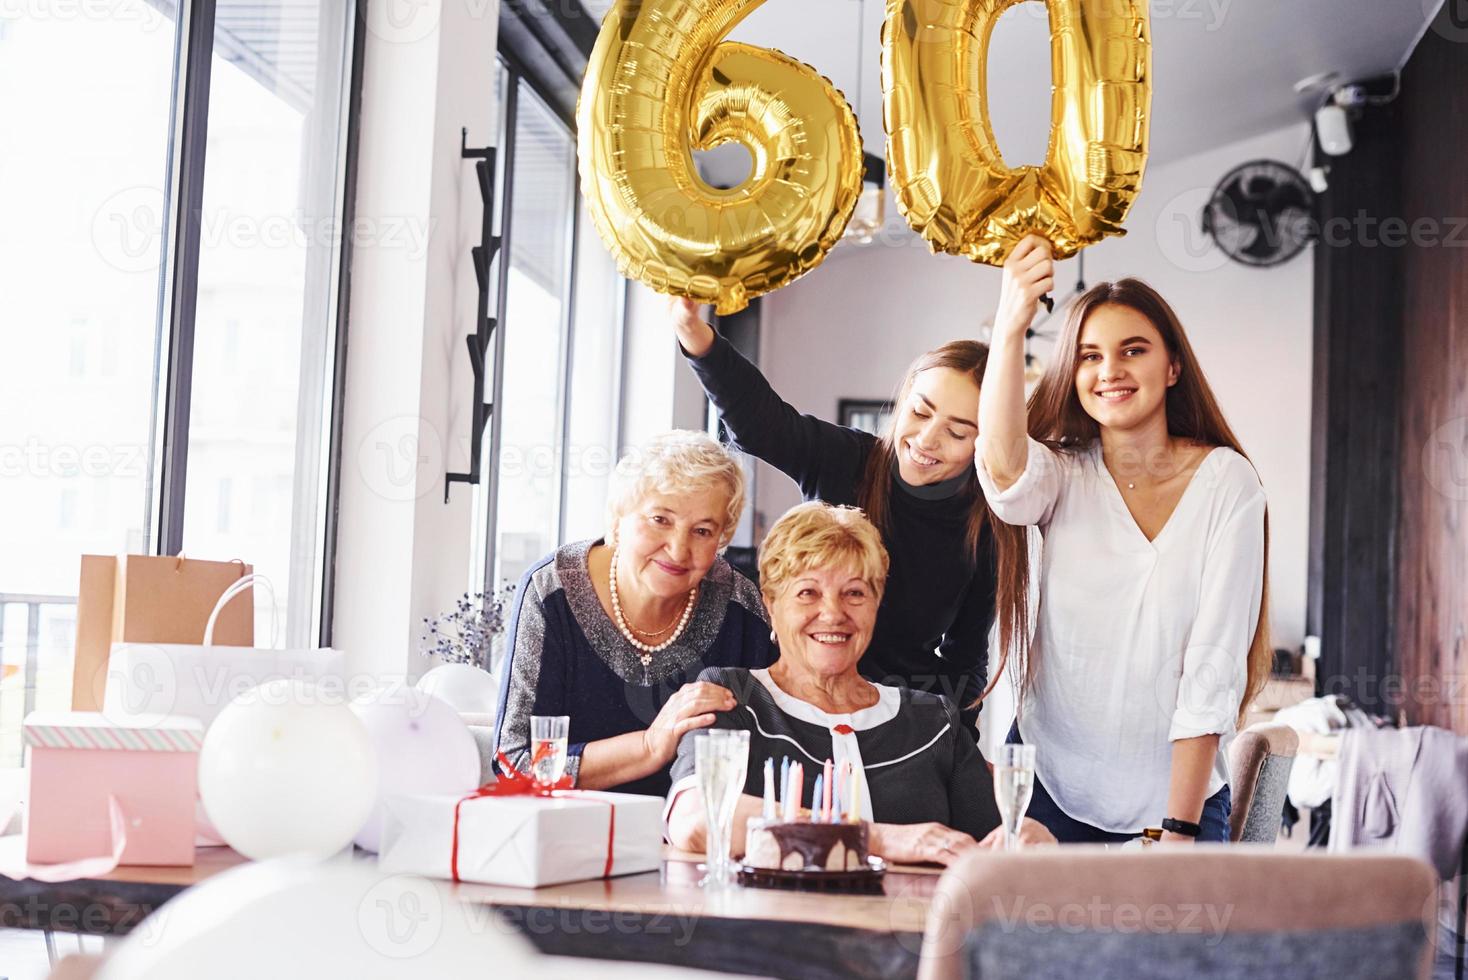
[401, 551]
[658, 391]
[850, 329]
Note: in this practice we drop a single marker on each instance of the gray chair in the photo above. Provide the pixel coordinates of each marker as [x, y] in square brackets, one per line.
[1206, 912]
[1260, 761]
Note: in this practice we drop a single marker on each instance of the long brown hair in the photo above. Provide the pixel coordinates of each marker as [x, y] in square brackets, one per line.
[1012, 577]
[1057, 419]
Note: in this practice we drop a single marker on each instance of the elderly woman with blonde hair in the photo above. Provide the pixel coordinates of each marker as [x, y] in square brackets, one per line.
[614, 632]
[925, 788]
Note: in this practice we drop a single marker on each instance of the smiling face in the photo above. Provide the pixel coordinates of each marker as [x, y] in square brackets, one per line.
[667, 543]
[823, 618]
[1123, 369]
[936, 426]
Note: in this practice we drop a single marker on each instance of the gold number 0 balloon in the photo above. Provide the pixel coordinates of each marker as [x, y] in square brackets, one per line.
[952, 184]
[660, 84]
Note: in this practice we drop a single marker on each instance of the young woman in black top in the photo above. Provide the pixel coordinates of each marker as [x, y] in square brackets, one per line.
[950, 556]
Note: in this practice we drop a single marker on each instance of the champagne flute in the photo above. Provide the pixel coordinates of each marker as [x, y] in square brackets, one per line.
[1014, 778]
[721, 761]
[548, 748]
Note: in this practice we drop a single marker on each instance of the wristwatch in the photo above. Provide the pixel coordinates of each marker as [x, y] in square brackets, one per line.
[1181, 827]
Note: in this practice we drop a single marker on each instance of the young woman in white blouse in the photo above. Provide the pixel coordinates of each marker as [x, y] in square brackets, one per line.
[1151, 632]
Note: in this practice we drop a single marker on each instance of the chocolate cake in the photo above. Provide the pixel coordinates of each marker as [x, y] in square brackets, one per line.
[806, 846]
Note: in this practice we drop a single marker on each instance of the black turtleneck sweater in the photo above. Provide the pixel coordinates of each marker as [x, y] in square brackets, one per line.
[933, 625]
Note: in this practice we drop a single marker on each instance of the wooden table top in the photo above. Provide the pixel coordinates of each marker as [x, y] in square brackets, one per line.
[658, 916]
[674, 890]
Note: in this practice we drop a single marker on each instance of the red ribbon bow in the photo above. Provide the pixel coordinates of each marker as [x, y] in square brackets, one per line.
[513, 782]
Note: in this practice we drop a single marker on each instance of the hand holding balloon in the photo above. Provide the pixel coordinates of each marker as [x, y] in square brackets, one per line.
[1029, 273]
[694, 334]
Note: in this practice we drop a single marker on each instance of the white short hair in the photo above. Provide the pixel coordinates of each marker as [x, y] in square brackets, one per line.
[677, 462]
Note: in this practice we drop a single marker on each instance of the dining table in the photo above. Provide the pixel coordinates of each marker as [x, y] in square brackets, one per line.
[662, 916]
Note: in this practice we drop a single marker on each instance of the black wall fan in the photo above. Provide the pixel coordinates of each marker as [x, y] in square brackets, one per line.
[1262, 213]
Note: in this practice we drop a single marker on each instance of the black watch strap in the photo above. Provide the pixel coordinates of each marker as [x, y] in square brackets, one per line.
[1182, 827]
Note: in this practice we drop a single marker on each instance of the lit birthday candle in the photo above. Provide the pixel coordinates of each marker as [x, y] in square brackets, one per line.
[797, 791]
[815, 800]
[855, 797]
[784, 783]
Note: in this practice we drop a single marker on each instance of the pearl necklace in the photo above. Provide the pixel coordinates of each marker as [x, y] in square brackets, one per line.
[646, 650]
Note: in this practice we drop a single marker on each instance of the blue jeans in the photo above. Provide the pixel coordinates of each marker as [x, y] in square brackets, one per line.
[1069, 830]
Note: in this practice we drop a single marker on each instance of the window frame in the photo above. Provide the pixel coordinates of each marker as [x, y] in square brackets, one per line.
[177, 306]
[531, 71]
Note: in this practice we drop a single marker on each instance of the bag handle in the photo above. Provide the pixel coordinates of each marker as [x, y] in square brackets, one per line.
[239, 585]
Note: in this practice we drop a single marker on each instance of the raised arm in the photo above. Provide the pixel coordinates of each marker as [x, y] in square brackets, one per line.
[759, 421]
[1029, 274]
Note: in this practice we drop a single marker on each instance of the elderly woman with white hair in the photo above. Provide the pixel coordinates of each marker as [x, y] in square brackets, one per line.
[614, 632]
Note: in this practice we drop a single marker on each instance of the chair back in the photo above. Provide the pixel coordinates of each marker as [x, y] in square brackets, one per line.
[1260, 760]
[1208, 912]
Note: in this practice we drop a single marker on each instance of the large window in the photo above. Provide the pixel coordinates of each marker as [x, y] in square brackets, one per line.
[138, 415]
[264, 325]
[557, 370]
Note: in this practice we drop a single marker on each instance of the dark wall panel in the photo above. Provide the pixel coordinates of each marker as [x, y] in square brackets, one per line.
[1431, 587]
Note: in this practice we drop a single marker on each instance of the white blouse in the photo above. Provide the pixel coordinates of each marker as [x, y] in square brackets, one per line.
[1137, 643]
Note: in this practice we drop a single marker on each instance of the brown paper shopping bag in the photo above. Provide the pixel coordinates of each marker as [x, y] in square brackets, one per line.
[151, 599]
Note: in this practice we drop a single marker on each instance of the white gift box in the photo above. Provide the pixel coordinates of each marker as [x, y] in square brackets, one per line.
[526, 841]
[199, 681]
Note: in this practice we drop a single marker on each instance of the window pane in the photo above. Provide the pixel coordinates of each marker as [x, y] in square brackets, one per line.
[595, 368]
[479, 531]
[269, 246]
[84, 108]
[544, 168]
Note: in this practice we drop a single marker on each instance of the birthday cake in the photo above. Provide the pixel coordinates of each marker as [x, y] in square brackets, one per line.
[802, 845]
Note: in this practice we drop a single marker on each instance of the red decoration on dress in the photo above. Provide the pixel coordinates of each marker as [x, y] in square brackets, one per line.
[843, 730]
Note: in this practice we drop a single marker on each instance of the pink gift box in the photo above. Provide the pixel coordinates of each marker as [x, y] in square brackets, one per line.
[80, 758]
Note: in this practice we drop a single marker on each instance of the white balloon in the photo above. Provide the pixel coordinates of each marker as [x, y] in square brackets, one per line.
[284, 770]
[469, 689]
[290, 919]
[422, 746]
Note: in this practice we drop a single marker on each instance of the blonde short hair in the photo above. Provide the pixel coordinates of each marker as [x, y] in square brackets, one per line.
[820, 535]
[673, 463]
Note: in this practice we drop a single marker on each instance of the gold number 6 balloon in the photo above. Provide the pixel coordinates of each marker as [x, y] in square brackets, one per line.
[662, 83]
[952, 184]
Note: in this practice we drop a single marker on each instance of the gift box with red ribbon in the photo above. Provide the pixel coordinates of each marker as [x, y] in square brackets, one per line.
[513, 832]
